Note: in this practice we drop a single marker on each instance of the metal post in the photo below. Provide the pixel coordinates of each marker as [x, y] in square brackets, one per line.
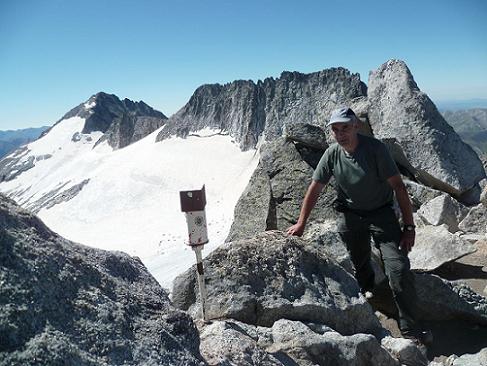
[193, 205]
[201, 280]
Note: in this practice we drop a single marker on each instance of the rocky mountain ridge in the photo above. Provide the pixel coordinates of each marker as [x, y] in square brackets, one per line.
[247, 110]
[121, 121]
[392, 106]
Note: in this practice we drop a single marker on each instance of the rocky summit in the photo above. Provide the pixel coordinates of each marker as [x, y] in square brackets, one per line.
[122, 121]
[67, 304]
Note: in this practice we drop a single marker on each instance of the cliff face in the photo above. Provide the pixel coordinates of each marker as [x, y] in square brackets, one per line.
[248, 110]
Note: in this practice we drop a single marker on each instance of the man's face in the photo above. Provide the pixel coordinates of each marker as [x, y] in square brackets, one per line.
[345, 133]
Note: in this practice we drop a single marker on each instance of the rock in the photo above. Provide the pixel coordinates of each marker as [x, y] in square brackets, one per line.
[475, 221]
[478, 359]
[274, 276]
[483, 197]
[305, 347]
[405, 351]
[398, 109]
[230, 342]
[324, 237]
[435, 245]
[252, 209]
[440, 300]
[419, 193]
[247, 110]
[288, 177]
[67, 304]
[472, 238]
[227, 343]
[306, 134]
[443, 210]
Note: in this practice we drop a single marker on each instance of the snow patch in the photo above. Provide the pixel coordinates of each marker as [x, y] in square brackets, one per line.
[131, 202]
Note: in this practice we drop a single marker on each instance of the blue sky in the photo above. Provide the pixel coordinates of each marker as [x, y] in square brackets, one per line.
[54, 54]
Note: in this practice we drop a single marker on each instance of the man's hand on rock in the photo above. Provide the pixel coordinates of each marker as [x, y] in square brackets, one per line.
[296, 229]
[407, 240]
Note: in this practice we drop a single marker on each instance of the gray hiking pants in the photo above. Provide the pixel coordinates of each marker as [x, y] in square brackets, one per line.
[355, 229]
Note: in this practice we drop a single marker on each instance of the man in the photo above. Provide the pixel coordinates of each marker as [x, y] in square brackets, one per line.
[366, 179]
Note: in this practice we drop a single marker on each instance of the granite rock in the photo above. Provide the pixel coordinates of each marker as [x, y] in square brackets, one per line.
[67, 304]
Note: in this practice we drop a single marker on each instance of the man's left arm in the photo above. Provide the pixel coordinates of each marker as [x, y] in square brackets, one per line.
[407, 238]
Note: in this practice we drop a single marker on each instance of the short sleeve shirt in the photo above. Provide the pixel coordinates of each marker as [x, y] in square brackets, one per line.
[361, 177]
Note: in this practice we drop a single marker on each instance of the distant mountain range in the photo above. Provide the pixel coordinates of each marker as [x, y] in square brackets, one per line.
[12, 139]
[455, 105]
[471, 125]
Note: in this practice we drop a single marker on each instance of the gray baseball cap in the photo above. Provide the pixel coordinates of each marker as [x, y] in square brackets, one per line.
[343, 114]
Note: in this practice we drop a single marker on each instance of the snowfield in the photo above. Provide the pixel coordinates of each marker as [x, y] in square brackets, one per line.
[131, 201]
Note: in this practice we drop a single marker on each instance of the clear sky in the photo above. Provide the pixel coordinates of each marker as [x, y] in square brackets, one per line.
[55, 54]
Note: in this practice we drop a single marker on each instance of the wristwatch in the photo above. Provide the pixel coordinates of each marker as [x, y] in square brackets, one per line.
[408, 228]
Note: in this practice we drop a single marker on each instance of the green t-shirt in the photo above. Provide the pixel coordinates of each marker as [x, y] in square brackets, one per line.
[362, 176]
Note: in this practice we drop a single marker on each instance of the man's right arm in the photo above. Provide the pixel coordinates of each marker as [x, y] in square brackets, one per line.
[309, 202]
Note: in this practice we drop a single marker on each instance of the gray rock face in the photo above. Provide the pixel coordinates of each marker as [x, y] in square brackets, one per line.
[477, 359]
[56, 196]
[252, 210]
[307, 135]
[111, 115]
[398, 109]
[229, 343]
[483, 197]
[405, 351]
[288, 343]
[435, 246]
[475, 221]
[247, 110]
[420, 194]
[273, 276]
[443, 210]
[306, 347]
[67, 304]
[123, 122]
[440, 300]
[278, 186]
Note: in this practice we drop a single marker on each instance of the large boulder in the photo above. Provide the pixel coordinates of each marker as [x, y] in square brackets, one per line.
[475, 221]
[435, 245]
[398, 109]
[273, 276]
[443, 210]
[235, 343]
[440, 300]
[420, 194]
[67, 304]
